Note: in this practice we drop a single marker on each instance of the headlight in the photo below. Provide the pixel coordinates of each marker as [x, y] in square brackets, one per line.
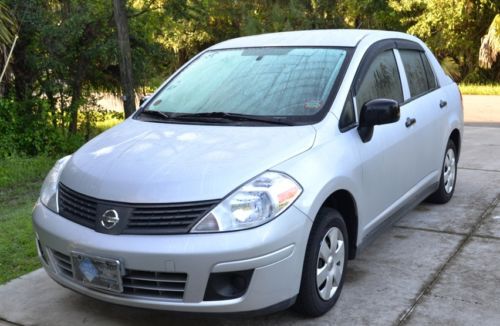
[257, 202]
[48, 194]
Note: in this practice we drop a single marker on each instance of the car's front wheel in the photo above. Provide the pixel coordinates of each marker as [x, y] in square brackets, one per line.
[324, 264]
[448, 176]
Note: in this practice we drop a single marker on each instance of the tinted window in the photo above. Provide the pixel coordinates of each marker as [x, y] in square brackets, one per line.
[431, 78]
[380, 81]
[348, 117]
[415, 72]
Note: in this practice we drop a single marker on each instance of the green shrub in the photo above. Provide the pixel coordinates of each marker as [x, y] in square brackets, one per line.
[476, 76]
[31, 128]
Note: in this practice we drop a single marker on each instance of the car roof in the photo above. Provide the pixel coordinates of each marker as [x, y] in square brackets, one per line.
[323, 37]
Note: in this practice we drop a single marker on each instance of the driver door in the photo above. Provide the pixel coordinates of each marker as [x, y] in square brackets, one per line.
[387, 158]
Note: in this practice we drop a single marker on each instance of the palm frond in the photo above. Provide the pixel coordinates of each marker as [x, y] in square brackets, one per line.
[8, 24]
[490, 45]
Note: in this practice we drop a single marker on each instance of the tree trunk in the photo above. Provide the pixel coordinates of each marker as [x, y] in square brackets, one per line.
[76, 96]
[126, 76]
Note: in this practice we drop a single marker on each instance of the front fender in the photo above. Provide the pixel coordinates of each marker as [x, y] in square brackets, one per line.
[322, 170]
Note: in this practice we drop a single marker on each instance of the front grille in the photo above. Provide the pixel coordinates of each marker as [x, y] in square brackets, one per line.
[164, 219]
[137, 283]
[63, 263]
[76, 207]
[175, 218]
[154, 284]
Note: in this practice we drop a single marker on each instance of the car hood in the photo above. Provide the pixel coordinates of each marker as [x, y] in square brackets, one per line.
[147, 162]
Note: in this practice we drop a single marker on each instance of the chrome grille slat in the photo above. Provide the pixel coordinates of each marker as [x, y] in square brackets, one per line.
[65, 270]
[155, 284]
[156, 276]
[63, 263]
[170, 218]
[62, 257]
[153, 288]
[159, 279]
[153, 294]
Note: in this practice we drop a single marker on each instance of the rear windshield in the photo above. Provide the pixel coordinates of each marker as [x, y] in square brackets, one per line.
[264, 82]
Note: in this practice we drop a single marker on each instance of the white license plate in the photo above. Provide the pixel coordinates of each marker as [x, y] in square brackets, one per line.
[97, 272]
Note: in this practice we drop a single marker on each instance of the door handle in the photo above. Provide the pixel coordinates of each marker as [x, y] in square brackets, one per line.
[442, 104]
[410, 121]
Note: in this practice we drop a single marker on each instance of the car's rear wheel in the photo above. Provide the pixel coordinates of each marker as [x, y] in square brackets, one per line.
[448, 176]
[324, 264]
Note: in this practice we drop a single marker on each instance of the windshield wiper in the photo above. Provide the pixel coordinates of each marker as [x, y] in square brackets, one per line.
[231, 117]
[157, 114]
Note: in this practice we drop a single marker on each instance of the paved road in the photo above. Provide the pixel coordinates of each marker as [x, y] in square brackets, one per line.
[437, 265]
[482, 110]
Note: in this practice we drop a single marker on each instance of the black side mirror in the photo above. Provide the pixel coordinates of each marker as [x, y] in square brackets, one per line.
[144, 99]
[376, 112]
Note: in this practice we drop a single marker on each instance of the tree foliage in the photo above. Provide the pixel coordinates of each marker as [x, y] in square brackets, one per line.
[67, 53]
[451, 28]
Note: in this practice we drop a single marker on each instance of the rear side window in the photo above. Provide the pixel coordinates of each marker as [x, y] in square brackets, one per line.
[431, 78]
[415, 72]
[380, 81]
[418, 72]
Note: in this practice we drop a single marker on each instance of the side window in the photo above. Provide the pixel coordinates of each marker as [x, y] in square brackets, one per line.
[348, 117]
[380, 81]
[431, 78]
[415, 72]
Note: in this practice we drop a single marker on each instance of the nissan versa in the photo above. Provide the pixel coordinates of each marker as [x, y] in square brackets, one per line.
[252, 175]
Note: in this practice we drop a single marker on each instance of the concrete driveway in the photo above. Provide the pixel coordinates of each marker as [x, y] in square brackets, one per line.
[437, 265]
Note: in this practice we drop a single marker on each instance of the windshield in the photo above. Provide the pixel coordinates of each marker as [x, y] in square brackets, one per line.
[264, 82]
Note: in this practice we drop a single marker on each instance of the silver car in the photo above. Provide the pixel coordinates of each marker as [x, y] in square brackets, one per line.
[254, 173]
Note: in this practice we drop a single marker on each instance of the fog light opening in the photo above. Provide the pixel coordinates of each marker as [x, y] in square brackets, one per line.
[229, 285]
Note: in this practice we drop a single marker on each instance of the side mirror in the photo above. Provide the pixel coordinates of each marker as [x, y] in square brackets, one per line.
[144, 99]
[376, 112]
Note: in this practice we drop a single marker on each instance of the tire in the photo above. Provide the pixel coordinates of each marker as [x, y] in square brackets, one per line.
[315, 300]
[448, 176]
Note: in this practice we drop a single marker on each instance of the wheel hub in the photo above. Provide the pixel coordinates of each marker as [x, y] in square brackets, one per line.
[449, 171]
[330, 264]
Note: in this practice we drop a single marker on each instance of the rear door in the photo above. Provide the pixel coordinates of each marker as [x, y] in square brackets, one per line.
[423, 111]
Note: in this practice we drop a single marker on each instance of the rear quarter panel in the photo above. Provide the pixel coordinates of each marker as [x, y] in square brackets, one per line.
[454, 113]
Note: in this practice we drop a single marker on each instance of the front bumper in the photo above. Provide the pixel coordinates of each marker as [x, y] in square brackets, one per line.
[274, 251]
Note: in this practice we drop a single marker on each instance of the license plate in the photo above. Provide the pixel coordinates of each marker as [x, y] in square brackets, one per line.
[97, 272]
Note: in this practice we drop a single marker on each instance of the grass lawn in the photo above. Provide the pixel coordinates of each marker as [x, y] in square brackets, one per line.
[108, 123]
[474, 89]
[20, 182]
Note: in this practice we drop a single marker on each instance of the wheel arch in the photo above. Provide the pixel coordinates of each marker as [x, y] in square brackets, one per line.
[455, 137]
[343, 201]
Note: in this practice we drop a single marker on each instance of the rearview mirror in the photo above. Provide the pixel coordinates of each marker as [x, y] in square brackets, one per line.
[376, 112]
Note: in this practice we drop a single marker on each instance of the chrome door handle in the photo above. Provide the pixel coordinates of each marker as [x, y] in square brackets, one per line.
[410, 121]
[442, 104]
